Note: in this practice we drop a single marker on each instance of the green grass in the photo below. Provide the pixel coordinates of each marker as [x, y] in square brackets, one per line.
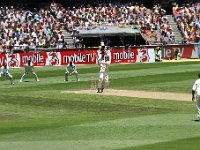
[36, 115]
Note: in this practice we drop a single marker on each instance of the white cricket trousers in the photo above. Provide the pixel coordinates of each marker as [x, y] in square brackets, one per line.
[198, 105]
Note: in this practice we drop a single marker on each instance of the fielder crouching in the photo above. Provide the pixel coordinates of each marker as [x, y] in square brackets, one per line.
[103, 77]
[70, 70]
[29, 68]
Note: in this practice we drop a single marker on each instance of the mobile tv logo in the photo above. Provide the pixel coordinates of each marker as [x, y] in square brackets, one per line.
[81, 58]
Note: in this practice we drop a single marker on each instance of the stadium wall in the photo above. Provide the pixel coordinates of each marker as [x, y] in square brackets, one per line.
[88, 56]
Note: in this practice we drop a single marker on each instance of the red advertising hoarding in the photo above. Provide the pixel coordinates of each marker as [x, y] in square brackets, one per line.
[124, 56]
[89, 56]
[186, 51]
[78, 57]
[38, 59]
[3, 59]
[132, 55]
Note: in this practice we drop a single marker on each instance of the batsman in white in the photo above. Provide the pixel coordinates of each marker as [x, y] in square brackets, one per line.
[5, 72]
[29, 68]
[103, 77]
[196, 95]
[70, 70]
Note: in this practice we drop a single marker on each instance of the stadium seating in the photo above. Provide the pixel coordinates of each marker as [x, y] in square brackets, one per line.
[48, 27]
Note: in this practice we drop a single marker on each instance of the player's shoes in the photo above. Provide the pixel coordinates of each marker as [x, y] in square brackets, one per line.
[100, 90]
[78, 80]
[37, 80]
[20, 81]
[12, 83]
[198, 117]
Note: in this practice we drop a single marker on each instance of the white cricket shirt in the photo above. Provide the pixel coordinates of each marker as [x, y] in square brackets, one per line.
[196, 87]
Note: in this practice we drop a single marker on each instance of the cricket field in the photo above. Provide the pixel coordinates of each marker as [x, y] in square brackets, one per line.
[129, 115]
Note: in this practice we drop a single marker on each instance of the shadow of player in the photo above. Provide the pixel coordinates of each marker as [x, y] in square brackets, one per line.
[197, 120]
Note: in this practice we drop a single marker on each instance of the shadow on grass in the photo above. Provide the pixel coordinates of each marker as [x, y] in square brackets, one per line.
[197, 120]
[7, 84]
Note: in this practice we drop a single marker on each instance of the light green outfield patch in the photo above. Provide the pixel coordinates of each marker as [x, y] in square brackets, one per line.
[151, 120]
[172, 127]
[154, 71]
[173, 86]
[120, 133]
[72, 144]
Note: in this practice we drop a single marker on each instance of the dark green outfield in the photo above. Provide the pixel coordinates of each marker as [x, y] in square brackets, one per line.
[36, 115]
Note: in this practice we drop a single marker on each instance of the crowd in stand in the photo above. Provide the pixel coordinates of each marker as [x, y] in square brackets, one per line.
[188, 20]
[22, 28]
[117, 14]
[43, 27]
[156, 20]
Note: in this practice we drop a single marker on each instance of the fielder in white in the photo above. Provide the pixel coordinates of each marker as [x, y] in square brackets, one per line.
[103, 77]
[5, 73]
[70, 70]
[196, 95]
[29, 68]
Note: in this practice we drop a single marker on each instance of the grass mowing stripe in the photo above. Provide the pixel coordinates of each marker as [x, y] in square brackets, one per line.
[139, 66]
[100, 144]
[145, 131]
[72, 144]
[135, 128]
[160, 82]
[183, 144]
[183, 86]
[57, 97]
[95, 67]
[133, 69]
[79, 105]
[132, 82]
[154, 71]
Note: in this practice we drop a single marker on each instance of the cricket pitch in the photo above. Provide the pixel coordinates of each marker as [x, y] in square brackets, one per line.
[139, 94]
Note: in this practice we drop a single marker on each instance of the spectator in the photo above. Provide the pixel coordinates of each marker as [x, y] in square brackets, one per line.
[21, 27]
[188, 20]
